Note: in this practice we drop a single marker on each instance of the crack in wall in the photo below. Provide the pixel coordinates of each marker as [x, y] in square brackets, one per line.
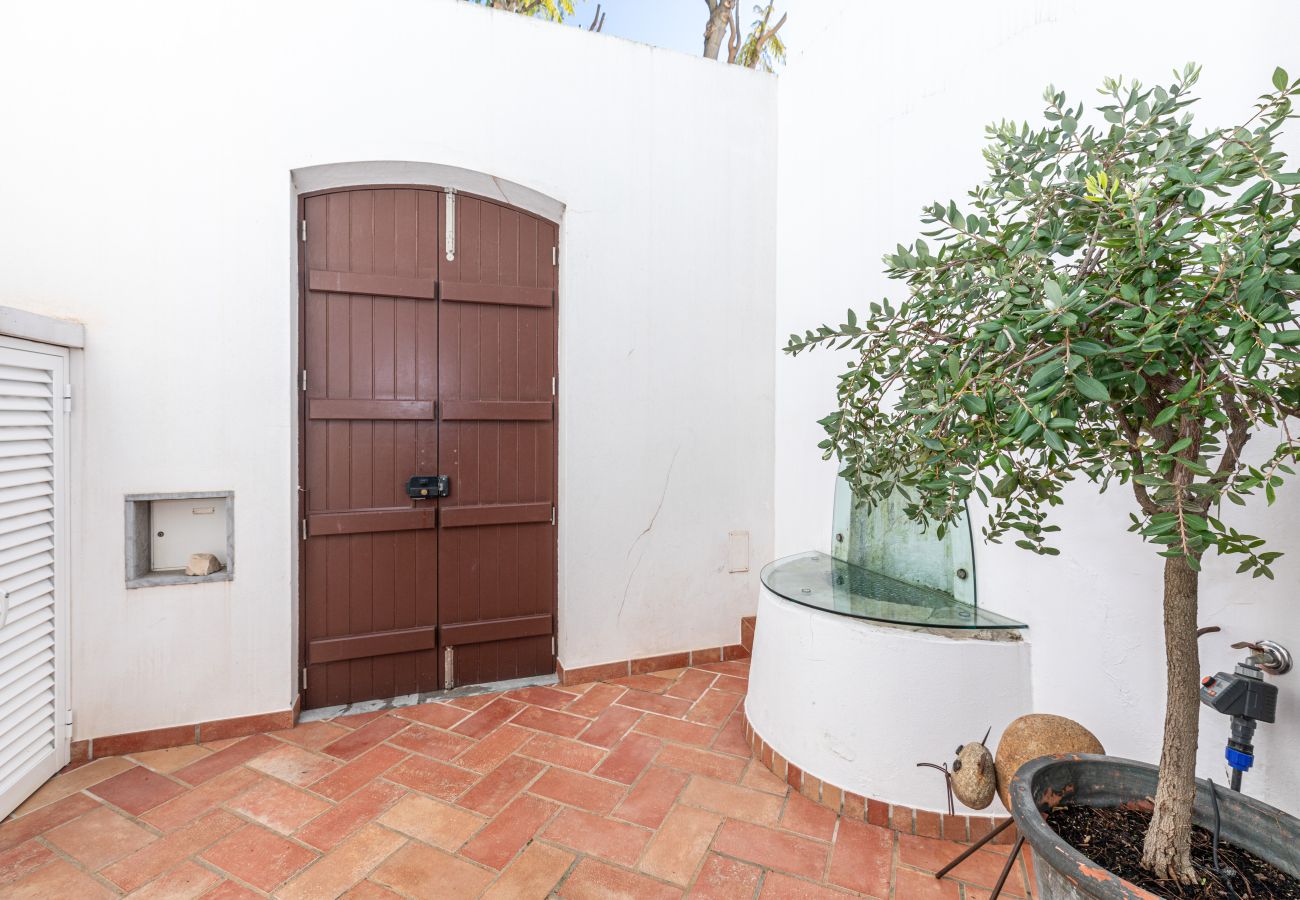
[663, 495]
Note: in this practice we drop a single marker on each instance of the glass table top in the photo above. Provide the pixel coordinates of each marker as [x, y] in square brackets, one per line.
[822, 582]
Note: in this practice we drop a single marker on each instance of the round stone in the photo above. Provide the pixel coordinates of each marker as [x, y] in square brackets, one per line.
[974, 778]
[1035, 735]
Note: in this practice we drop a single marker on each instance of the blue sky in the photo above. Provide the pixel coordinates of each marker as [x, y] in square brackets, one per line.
[676, 24]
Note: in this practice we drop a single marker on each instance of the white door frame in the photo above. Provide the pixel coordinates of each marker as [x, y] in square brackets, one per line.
[60, 360]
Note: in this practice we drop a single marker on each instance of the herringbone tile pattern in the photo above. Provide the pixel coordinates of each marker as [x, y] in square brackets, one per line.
[641, 787]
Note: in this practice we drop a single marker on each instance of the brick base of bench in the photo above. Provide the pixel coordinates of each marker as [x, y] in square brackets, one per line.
[894, 816]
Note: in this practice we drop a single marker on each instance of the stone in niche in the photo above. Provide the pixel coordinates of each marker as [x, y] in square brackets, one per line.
[203, 564]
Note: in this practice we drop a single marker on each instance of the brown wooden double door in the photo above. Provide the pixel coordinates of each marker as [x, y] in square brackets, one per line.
[415, 363]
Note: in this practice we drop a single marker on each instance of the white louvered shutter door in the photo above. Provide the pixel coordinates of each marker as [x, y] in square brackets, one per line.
[33, 614]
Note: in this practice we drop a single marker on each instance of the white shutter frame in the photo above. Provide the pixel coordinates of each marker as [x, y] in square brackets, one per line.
[34, 567]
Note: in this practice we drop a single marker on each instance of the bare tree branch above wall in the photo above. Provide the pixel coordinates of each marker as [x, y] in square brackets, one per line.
[759, 48]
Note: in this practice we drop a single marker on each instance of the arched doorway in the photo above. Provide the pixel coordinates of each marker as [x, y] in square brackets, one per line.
[428, 348]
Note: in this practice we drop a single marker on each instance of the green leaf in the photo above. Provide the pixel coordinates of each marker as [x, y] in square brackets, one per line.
[1252, 192]
[1165, 416]
[1280, 79]
[1194, 466]
[1053, 292]
[1047, 373]
[1091, 388]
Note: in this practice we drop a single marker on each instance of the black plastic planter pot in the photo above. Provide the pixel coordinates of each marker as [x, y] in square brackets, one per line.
[1064, 873]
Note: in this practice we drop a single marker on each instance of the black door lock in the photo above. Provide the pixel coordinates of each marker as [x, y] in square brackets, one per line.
[427, 487]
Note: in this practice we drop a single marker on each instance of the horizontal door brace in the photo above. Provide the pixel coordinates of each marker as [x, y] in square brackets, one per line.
[506, 629]
[496, 514]
[323, 281]
[501, 294]
[497, 410]
[368, 521]
[371, 410]
[375, 643]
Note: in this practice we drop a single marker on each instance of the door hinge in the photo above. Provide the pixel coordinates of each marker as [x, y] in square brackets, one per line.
[448, 668]
[552, 515]
[304, 379]
[303, 680]
[304, 529]
[552, 385]
[68, 720]
[552, 645]
[67, 398]
[302, 231]
[555, 256]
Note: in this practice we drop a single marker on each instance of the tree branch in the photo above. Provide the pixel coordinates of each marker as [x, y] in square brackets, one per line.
[733, 40]
[1238, 435]
[765, 34]
[1149, 506]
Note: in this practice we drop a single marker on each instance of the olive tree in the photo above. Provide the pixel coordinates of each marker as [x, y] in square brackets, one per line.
[1117, 302]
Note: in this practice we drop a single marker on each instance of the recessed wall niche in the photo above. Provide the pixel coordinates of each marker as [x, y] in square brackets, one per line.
[164, 530]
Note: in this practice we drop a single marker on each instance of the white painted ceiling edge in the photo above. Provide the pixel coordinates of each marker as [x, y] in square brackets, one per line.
[330, 176]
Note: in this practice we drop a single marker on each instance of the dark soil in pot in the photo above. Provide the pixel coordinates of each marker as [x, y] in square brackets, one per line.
[1112, 837]
[1083, 866]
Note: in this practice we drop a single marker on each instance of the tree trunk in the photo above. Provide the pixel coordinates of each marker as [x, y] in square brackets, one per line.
[716, 28]
[1167, 851]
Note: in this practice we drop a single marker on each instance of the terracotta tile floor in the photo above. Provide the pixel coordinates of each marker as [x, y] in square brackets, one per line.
[640, 788]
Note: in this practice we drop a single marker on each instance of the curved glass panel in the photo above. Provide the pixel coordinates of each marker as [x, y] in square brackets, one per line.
[884, 541]
[887, 568]
[833, 585]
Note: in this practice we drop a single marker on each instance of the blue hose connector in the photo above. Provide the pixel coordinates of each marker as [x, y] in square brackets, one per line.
[1239, 759]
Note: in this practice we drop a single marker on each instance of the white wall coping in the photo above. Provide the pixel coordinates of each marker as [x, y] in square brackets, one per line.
[32, 326]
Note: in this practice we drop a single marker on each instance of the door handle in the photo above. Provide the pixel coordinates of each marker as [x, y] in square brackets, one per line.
[428, 487]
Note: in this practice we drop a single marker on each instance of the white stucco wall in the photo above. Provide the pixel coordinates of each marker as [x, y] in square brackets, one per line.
[147, 193]
[882, 110]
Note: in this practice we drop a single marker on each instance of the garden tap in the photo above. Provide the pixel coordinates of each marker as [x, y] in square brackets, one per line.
[1247, 698]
